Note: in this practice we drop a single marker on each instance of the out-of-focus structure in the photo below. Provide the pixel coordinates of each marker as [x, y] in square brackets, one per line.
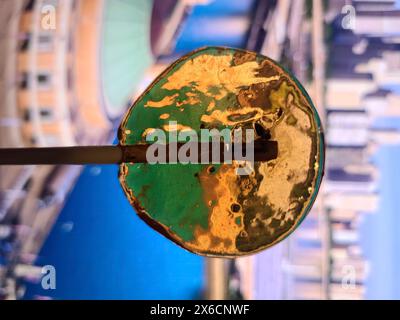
[347, 53]
[69, 69]
[68, 72]
[324, 259]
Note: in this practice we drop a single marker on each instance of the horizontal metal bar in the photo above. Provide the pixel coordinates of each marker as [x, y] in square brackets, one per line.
[264, 150]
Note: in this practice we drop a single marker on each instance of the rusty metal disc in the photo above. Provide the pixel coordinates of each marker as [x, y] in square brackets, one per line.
[209, 209]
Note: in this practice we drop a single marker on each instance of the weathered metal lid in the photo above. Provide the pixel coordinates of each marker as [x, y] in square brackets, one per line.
[209, 209]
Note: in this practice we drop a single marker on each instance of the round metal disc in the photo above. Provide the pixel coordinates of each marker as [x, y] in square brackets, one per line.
[209, 209]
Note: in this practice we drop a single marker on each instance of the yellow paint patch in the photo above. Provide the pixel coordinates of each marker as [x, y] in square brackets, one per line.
[208, 71]
[176, 127]
[165, 102]
[164, 116]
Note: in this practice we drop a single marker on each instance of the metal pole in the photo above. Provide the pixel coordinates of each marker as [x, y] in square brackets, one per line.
[264, 150]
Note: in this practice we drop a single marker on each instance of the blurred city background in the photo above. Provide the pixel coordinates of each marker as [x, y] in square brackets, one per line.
[69, 69]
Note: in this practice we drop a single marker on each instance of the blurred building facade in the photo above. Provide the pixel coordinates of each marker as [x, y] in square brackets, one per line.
[323, 259]
[58, 89]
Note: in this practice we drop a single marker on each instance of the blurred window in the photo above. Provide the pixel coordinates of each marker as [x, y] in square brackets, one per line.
[23, 80]
[70, 43]
[70, 80]
[45, 43]
[27, 116]
[44, 80]
[29, 6]
[27, 184]
[24, 42]
[33, 140]
[46, 114]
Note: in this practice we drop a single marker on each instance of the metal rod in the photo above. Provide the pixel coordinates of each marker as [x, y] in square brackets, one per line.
[264, 150]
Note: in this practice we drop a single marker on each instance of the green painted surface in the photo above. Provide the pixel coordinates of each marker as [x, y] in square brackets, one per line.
[175, 186]
[176, 189]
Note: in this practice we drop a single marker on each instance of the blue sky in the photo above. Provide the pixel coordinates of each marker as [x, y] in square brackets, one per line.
[380, 231]
[380, 234]
[102, 250]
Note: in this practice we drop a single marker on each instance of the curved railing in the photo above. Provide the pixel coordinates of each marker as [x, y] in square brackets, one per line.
[125, 51]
